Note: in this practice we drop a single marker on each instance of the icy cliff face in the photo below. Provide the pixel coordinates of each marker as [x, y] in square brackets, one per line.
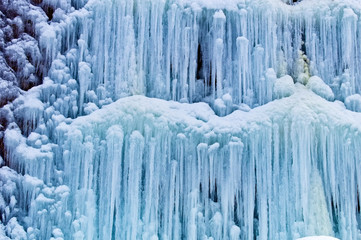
[172, 171]
[185, 52]
[252, 131]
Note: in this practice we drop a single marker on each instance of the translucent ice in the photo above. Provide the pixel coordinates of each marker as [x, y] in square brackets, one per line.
[163, 169]
[235, 136]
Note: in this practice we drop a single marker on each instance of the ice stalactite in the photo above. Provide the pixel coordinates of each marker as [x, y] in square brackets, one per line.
[182, 177]
[189, 53]
[167, 170]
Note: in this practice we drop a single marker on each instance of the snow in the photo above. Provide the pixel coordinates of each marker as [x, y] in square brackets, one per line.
[14, 230]
[317, 238]
[219, 14]
[353, 102]
[283, 87]
[318, 86]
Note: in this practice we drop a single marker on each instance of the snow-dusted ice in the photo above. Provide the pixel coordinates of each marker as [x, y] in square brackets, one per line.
[203, 174]
[180, 119]
[140, 160]
[318, 238]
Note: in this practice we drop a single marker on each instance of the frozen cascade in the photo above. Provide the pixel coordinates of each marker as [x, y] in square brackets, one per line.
[183, 119]
[193, 52]
[166, 170]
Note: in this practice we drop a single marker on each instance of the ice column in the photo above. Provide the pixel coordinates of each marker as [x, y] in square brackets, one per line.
[219, 20]
[244, 81]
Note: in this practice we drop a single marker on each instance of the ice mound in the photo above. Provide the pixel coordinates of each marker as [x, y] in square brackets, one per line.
[353, 102]
[283, 87]
[318, 86]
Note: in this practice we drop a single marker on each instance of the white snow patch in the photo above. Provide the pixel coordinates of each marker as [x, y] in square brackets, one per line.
[283, 87]
[318, 238]
[318, 86]
[219, 14]
[353, 102]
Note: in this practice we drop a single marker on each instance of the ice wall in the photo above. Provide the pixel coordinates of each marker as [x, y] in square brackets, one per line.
[144, 168]
[203, 51]
[278, 172]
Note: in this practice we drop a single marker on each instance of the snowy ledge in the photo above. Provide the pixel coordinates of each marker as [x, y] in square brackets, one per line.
[307, 6]
[318, 238]
[303, 106]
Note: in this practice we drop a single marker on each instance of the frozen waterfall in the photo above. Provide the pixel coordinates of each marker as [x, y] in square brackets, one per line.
[180, 119]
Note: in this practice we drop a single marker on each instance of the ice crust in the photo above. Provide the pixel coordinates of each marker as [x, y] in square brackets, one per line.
[222, 144]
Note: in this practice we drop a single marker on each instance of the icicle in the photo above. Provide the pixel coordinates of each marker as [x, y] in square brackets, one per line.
[243, 73]
[219, 20]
